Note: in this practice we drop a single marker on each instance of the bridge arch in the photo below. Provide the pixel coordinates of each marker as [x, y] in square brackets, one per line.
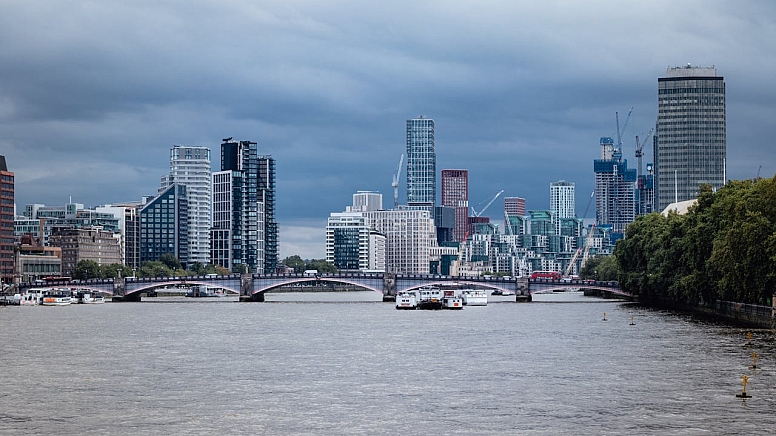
[266, 287]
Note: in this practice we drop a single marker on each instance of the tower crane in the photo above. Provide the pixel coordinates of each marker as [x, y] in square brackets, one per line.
[640, 148]
[579, 250]
[395, 183]
[492, 199]
[620, 132]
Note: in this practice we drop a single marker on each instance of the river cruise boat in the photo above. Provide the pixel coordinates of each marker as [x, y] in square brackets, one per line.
[406, 300]
[451, 301]
[474, 297]
[57, 299]
[89, 297]
[33, 297]
[430, 298]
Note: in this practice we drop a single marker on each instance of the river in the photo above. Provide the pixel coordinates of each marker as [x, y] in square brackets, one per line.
[347, 364]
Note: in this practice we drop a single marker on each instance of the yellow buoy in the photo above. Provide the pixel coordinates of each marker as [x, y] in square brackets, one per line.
[604, 316]
[754, 360]
[632, 323]
[744, 381]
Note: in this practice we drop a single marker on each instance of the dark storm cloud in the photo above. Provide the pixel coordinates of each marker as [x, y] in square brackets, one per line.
[94, 94]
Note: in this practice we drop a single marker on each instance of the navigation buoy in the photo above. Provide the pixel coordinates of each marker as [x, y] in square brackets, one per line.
[604, 316]
[632, 323]
[749, 338]
[754, 361]
[744, 381]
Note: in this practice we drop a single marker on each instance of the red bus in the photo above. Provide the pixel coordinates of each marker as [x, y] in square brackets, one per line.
[547, 275]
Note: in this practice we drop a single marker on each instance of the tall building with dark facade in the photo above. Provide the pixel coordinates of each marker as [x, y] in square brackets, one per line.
[6, 223]
[421, 164]
[615, 196]
[455, 194]
[164, 225]
[244, 228]
[690, 146]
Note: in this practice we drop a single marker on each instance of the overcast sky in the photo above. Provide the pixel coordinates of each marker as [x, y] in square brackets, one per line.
[93, 94]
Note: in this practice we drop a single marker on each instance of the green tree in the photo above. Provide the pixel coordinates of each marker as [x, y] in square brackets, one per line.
[112, 270]
[154, 269]
[321, 265]
[87, 269]
[295, 262]
[240, 268]
[170, 261]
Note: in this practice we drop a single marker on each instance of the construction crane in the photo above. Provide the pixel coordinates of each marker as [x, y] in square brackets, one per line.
[574, 258]
[477, 214]
[620, 132]
[395, 183]
[640, 149]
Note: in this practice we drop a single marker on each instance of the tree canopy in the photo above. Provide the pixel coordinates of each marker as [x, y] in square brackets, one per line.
[724, 248]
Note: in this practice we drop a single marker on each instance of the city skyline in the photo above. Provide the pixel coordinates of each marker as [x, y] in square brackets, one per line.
[520, 94]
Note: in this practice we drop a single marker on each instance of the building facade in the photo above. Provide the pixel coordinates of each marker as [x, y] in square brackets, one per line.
[7, 189]
[348, 241]
[365, 201]
[164, 224]
[421, 163]
[244, 229]
[409, 235]
[85, 243]
[455, 194]
[615, 183]
[190, 166]
[691, 142]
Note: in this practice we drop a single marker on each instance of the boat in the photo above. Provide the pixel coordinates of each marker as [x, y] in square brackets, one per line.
[474, 297]
[57, 299]
[33, 297]
[88, 297]
[451, 301]
[406, 300]
[430, 298]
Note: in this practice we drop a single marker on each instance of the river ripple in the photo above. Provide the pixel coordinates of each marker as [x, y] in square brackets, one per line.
[345, 364]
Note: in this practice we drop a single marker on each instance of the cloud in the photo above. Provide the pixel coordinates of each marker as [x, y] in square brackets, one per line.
[520, 92]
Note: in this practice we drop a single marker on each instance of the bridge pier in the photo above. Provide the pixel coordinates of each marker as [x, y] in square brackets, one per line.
[131, 298]
[255, 298]
[522, 290]
[389, 287]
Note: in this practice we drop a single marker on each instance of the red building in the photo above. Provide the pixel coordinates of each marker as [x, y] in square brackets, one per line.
[455, 194]
[6, 223]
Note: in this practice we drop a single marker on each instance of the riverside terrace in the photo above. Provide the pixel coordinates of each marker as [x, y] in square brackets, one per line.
[251, 287]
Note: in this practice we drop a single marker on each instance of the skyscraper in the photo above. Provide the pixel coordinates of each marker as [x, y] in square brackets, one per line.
[690, 144]
[562, 199]
[421, 164]
[244, 229]
[6, 223]
[615, 196]
[190, 166]
[455, 194]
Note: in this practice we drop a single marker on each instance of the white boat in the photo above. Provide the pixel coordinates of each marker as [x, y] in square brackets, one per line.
[451, 301]
[33, 297]
[406, 300]
[430, 298]
[57, 300]
[90, 298]
[474, 297]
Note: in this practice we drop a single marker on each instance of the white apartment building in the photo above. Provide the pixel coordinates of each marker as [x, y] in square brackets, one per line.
[190, 166]
[409, 235]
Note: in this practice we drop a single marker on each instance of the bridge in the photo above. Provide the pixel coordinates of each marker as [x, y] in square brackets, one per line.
[252, 287]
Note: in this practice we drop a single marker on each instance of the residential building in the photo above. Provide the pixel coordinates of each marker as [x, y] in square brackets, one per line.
[455, 194]
[244, 229]
[615, 200]
[421, 164]
[348, 241]
[163, 226]
[514, 206]
[690, 143]
[190, 166]
[85, 243]
[562, 202]
[7, 212]
[409, 235]
[365, 201]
